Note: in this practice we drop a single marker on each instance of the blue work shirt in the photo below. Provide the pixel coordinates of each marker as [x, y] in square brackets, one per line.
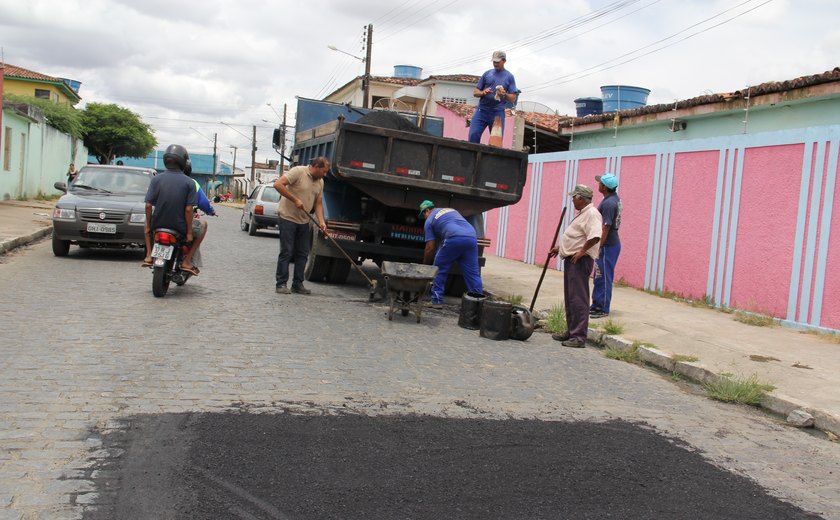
[610, 209]
[444, 223]
[491, 79]
[170, 193]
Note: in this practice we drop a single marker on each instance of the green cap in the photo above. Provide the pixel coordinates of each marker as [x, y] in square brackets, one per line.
[426, 204]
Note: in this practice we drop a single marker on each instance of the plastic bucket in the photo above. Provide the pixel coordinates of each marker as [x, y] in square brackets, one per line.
[588, 106]
[470, 316]
[495, 320]
[623, 97]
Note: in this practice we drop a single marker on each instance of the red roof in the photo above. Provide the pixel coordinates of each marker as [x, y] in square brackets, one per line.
[13, 71]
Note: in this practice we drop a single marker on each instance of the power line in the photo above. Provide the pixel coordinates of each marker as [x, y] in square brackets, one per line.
[601, 66]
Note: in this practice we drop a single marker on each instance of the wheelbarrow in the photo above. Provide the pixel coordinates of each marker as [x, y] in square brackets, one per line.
[407, 284]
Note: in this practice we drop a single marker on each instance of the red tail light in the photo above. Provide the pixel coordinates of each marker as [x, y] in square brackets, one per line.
[258, 210]
[165, 238]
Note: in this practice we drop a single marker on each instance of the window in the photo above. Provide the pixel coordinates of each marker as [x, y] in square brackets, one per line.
[42, 93]
[447, 99]
[7, 150]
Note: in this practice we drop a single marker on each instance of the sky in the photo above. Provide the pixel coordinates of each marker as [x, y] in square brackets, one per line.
[195, 70]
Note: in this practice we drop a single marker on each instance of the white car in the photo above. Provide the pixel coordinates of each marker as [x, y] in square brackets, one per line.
[260, 210]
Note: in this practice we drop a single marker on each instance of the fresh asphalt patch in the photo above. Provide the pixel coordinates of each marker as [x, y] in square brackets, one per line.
[353, 466]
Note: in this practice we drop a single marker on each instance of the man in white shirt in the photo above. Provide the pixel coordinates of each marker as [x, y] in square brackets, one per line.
[578, 250]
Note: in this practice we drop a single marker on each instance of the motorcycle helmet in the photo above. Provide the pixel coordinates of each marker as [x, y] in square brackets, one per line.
[176, 157]
[188, 167]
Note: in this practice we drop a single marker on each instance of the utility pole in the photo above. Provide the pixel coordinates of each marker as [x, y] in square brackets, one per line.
[366, 81]
[215, 136]
[283, 143]
[253, 156]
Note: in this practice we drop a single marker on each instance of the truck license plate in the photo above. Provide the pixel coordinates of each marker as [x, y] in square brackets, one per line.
[341, 235]
[162, 251]
[99, 227]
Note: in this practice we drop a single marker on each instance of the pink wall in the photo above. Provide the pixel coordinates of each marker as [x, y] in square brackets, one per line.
[831, 290]
[455, 127]
[635, 186]
[759, 195]
[552, 199]
[766, 229]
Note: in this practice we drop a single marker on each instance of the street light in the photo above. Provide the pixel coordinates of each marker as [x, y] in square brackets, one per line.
[366, 61]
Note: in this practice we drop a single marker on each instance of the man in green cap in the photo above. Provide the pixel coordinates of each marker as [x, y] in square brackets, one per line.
[449, 239]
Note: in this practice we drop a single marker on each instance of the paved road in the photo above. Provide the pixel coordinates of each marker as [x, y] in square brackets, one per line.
[86, 346]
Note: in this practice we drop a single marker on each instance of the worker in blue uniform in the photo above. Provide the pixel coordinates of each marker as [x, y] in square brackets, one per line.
[449, 239]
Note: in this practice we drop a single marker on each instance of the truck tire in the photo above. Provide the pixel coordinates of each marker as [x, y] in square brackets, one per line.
[317, 266]
[455, 285]
[339, 269]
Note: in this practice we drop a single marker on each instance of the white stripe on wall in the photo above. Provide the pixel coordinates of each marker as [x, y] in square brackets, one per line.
[796, 268]
[532, 225]
[825, 228]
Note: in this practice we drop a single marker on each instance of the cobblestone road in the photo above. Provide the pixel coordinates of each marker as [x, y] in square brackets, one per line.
[85, 344]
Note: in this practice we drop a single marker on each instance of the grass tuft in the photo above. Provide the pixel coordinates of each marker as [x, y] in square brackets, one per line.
[681, 358]
[556, 321]
[731, 389]
[513, 299]
[612, 327]
[630, 356]
[756, 320]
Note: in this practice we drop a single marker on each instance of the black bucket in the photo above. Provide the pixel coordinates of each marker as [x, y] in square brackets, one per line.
[521, 323]
[470, 310]
[495, 320]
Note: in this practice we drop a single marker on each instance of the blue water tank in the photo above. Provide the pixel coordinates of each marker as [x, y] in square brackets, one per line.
[623, 97]
[588, 105]
[407, 71]
[72, 83]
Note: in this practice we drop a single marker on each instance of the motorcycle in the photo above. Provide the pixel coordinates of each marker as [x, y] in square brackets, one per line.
[168, 250]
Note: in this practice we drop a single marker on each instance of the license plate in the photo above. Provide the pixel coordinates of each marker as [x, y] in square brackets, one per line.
[162, 251]
[341, 235]
[99, 227]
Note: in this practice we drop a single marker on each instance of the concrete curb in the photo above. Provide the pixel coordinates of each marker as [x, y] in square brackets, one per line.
[14, 243]
[773, 402]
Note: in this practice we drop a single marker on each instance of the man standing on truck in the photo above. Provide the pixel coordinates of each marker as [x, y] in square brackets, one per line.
[301, 188]
[494, 90]
[448, 233]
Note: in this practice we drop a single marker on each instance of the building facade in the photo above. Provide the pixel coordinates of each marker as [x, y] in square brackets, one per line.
[737, 207]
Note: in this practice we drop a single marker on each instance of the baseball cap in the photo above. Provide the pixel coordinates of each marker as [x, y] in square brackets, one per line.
[582, 190]
[426, 204]
[608, 179]
[499, 56]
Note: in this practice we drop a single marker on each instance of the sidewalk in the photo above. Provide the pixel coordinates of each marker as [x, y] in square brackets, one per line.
[720, 344]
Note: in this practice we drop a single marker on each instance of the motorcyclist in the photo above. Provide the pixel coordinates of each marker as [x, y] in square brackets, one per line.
[170, 200]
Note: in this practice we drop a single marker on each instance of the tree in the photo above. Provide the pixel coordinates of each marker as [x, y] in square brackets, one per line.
[111, 130]
[61, 116]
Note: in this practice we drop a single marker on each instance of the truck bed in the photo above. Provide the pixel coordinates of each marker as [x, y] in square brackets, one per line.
[401, 169]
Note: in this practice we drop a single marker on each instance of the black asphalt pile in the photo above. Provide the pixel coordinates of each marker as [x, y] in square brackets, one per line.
[216, 466]
[390, 120]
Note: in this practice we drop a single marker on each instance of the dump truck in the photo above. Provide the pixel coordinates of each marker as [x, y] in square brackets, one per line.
[379, 176]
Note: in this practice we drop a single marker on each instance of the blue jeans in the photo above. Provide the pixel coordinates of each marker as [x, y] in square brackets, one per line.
[604, 274]
[463, 250]
[294, 243]
[482, 119]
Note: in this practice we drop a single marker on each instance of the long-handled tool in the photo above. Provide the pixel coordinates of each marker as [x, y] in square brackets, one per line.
[370, 282]
[545, 267]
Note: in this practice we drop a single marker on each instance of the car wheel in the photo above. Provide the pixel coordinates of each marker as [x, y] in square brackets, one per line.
[60, 247]
[252, 226]
[243, 224]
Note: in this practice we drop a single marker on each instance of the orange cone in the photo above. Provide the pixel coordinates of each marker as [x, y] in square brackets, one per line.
[496, 132]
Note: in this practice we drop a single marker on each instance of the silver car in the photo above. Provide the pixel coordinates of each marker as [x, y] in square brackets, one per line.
[103, 207]
[260, 210]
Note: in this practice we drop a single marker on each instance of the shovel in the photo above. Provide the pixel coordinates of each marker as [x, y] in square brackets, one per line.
[545, 267]
[371, 283]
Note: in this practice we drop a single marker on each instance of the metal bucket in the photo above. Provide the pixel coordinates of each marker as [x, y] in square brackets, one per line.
[470, 316]
[495, 320]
